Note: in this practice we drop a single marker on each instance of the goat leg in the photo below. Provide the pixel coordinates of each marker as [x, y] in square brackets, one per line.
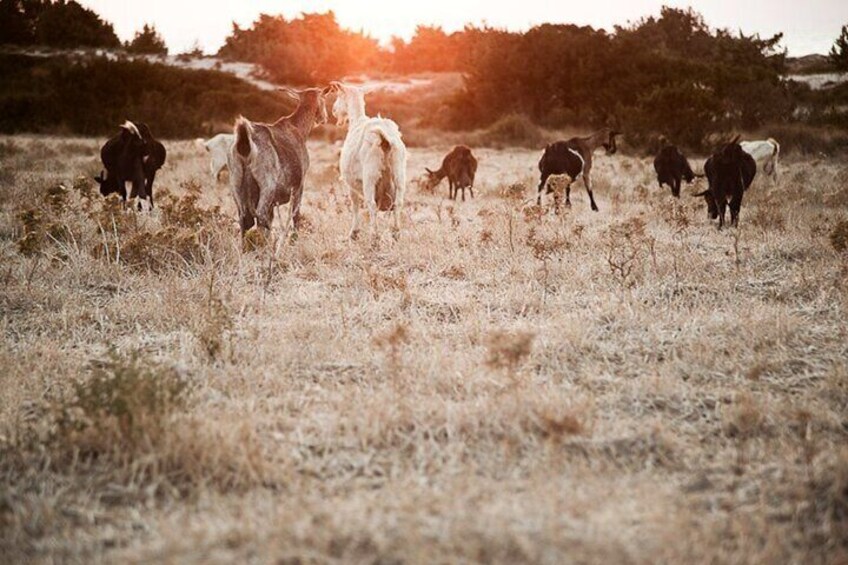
[588, 183]
[542, 185]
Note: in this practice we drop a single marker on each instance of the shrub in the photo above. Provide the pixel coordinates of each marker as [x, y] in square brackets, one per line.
[513, 129]
[120, 410]
[93, 95]
[839, 236]
[507, 351]
[625, 245]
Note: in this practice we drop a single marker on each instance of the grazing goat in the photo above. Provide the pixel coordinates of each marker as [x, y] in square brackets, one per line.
[373, 160]
[765, 153]
[560, 159]
[123, 159]
[586, 147]
[730, 171]
[219, 150]
[153, 160]
[460, 167]
[672, 167]
[268, 162]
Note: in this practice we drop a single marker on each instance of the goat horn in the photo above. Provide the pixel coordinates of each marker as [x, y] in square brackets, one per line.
[737, 138]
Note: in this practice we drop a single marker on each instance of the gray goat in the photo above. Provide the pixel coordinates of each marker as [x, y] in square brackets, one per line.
[268, 162]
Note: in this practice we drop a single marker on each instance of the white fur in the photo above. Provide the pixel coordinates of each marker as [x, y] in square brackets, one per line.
[582, 166]
[131, 127]
[363, 159]
[765, 153]
[219, 150]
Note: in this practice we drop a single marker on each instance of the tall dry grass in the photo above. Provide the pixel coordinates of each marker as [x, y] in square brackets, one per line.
[502, 384]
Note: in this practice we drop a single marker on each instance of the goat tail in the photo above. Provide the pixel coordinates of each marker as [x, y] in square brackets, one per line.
[243, 131]
[776, 145]
[390, 186]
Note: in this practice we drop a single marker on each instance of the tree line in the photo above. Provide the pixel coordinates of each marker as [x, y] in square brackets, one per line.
[669, 74]
[66, 24]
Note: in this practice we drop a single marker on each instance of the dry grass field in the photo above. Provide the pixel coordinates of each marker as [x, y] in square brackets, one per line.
[500, 385]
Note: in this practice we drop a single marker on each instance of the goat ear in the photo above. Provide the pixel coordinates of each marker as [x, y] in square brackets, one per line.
[701, 193]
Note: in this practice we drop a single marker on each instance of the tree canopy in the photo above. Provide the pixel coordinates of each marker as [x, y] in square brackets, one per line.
[53, 23]
[839, 52]
[147, 41]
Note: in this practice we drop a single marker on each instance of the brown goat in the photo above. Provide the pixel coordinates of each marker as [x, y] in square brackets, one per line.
[460, 167]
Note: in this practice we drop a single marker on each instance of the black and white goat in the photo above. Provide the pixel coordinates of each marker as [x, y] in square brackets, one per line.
[561, 160]
[123, 158]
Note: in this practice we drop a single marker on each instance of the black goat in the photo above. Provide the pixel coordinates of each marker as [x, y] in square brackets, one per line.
[153, 161]
[123, 157]
[672, 168]
[460, 167]
[730, 171]
[561, 159]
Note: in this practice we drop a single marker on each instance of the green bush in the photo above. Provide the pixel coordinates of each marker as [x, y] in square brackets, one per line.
[93, 96]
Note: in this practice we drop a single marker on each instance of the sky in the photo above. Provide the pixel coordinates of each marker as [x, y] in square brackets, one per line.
[809, 26]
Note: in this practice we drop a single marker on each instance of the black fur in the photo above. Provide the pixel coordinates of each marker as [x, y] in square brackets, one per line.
[730, 172]
[123, 159]
[672, 168]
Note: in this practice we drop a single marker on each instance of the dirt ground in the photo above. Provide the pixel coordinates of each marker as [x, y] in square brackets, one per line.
[502, 384]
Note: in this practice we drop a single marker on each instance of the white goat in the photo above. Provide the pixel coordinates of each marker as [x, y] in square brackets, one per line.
[219, 151]
[765, 153]
[373, 159]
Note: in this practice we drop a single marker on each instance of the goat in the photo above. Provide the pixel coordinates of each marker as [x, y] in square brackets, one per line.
[153, 160]
[219, 149]
[672, 167]
[560, 159]
[268, 162]
[730, 171]
[586, 147]
[123, 158]
[460, 167]
[373, 159]
[765, 153]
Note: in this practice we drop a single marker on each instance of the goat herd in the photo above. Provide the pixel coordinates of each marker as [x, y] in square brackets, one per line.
[268, 163]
